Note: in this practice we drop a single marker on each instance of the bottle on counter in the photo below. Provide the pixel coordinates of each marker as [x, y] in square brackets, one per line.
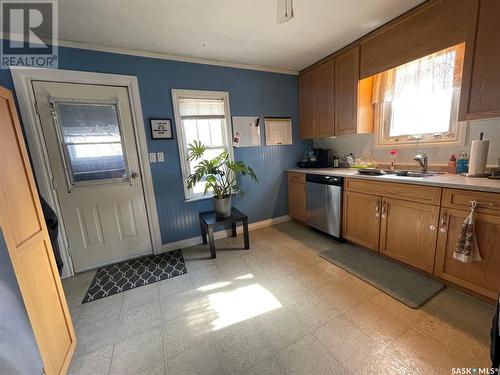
[452, 164]
[350, 160]
[335, 161]
[462, 163]
[393, 154]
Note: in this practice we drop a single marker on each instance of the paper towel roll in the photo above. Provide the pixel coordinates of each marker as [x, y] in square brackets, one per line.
[478, 157]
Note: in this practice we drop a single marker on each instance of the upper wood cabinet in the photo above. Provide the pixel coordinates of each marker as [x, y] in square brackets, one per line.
[332, 101]
[426, 29]
[434, 26]
[306, 104]
[346, 92]
[353, 97]
[484, 94]
[316, 102]
[324, 104]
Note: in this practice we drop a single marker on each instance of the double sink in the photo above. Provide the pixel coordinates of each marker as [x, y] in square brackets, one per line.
[413, 173]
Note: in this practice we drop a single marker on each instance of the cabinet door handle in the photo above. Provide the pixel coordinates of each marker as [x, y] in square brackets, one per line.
[384, 210]
[444, 223]
[432, 227]
[377, 209]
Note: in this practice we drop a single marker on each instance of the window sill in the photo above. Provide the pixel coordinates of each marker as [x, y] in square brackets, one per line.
[196, 199]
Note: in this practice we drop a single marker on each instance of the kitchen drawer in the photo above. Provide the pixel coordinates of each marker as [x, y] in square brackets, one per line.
[297, 177]
[489, 203]
[408, 192]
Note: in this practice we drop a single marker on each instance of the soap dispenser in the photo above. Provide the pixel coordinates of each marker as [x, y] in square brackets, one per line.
[452, 164]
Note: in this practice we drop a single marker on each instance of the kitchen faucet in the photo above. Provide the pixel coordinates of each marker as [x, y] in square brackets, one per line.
[422, 160]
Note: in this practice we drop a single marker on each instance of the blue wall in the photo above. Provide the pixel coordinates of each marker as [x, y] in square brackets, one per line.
[19, 353]
[251, 93]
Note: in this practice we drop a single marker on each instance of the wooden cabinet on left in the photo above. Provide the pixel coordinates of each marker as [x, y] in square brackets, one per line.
[27, 240]
[332, 99]
[297, 196]
[316, 102]
[306, 104]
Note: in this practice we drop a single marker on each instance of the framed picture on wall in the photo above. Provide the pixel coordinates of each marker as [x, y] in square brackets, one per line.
[161, 128]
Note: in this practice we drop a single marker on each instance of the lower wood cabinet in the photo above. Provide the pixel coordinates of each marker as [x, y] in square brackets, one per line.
[408, 232]
[297, 196]
[421, 227]
[403, 229]
[481, 277]
[361, 219]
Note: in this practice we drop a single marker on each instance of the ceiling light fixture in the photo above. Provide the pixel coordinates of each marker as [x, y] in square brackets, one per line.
[284, 11]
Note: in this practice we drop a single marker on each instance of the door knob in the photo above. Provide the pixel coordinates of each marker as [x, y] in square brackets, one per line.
[134, 175]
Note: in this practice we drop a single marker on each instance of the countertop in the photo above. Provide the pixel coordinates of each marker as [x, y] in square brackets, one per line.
[444, 180]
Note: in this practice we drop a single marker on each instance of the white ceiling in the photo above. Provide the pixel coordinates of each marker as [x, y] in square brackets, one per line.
[235, 32]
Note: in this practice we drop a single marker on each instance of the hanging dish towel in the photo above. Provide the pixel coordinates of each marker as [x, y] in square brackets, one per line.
[467, 250]
[495, 338]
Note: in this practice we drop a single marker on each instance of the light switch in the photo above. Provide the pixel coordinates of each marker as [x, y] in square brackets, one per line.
[160, 157]
[152, 157]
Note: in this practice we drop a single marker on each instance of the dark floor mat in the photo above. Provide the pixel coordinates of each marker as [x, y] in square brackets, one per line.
[133, 273]
[400, 282]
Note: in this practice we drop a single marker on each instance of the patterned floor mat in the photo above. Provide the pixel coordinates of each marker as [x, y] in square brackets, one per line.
[133, 273]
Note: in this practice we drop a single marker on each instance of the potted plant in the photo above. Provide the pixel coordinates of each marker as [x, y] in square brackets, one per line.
[221, 176]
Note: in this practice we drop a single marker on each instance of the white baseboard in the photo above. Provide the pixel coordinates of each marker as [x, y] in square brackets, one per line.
[224, 233]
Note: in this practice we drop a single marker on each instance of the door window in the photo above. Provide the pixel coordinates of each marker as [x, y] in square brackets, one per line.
[91, 142]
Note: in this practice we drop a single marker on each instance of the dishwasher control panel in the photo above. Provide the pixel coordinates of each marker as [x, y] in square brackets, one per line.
[325, 180]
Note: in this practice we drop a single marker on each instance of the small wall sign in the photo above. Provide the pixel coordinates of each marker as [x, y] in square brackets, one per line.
[161, 128]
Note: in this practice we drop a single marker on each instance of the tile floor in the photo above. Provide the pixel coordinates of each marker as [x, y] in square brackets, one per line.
[275, 309]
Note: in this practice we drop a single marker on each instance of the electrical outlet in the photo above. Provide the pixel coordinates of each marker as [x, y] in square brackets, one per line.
[152, 157]
[160, 156]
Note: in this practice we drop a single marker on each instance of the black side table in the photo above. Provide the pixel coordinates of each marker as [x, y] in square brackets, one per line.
[208, 221]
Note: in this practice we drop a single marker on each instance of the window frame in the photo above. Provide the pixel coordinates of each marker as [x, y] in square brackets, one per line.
[455, 135]
[181, 139]
[63, 145]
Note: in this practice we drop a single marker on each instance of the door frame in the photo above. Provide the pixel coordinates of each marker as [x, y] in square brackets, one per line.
[22, 78]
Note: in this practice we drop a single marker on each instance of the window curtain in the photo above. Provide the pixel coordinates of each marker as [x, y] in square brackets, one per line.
[420, 97]
[441, 70]
[204, 108]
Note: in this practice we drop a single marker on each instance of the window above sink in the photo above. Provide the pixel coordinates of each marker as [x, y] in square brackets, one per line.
[417, 103]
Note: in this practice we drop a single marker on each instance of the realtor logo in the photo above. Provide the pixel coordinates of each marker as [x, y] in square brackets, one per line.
[29, 33]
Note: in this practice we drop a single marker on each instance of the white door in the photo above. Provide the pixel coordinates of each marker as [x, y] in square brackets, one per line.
[90, 140]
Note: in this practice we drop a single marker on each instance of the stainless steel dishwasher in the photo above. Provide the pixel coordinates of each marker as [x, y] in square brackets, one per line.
[324, 203]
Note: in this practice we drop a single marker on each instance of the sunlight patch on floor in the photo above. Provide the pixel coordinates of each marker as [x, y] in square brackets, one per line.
[209, 287]
[241, 304]
[248, 276]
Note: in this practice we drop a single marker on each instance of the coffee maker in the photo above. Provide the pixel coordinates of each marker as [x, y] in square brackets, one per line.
[320, 158]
